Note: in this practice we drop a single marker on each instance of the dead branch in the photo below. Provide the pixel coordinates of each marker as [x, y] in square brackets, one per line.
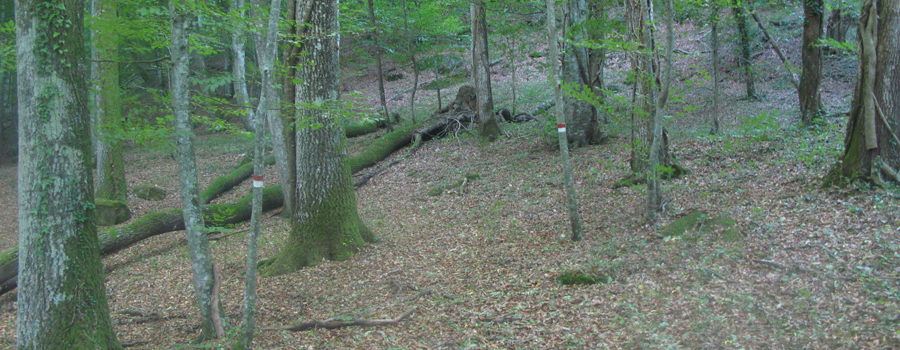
[830, 253]
[335, 324]
[135, 343]
[214, 302]
[787, 66]
[419, 295]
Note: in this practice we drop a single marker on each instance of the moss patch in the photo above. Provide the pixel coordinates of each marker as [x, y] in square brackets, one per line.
[570, 278]
[110, 212]
[712, 227]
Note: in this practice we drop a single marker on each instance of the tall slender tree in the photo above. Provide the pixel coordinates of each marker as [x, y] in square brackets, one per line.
[488, 128]
[811, 55]
[107, 102]
[872, 143]
[325, 223]
[61, 301]
[714, 57]
[378, 65]
[571, 201]
[198, 243]
[654, 177]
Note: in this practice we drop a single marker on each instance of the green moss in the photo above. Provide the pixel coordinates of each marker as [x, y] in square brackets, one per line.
[227, 182]
[711, 227]
[569, 278]
[382, 148]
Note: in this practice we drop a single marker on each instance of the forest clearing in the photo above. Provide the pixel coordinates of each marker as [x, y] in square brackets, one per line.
[475, 249]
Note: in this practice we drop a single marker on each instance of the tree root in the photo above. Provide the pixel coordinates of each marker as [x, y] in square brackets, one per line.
[336, 323]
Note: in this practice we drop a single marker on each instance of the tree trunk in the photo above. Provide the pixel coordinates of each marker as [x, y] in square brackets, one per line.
[62, 302]
[198, 244]
[8, 107]
[872, 146]
[654, 176]
[839, 23]
[714, 38]
[811, 75]
[107, 95]
[488, 129]
[239, 68]
[553, 60]
[377, 48]
[740, 17]
[644, 64]
[581, 116]
[325, 223]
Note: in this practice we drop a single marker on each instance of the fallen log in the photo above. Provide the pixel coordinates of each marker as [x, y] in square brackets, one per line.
[117, 238]
[224, 183]
[335, 323]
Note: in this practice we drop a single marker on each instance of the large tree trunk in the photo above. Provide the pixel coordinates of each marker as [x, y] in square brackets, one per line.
[740, 17]
[62, 301]
[872, 146]
[488, 128]
[811, 55]
[198, 244]
[107, 102]
[581, 116]
[325, 223]
[572, 203]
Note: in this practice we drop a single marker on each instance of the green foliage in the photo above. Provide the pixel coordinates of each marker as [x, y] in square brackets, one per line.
[8, 46]
[570, 278]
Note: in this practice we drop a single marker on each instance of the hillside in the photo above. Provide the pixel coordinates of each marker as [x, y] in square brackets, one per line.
[811, 267]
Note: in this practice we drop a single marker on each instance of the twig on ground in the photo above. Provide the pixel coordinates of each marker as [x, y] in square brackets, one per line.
[797, 267]
[335, 323]
[135, 343]
[419, 295]
[830, 253]
[711, 272]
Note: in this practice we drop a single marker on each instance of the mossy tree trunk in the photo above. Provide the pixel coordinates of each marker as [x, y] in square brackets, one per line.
[581, 116]
[107, 102]
[714, 57]
[198, 243]
[488, 127]
[62, 302]
[811, 55]
[872, 146]
[325, 222]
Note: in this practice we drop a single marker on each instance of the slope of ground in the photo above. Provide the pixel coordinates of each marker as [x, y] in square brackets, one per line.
[478, 263]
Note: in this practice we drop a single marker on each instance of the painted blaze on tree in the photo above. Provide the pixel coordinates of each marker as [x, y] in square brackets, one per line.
[325, 223]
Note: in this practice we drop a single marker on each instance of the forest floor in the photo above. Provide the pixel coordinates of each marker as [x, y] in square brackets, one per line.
[813, 268]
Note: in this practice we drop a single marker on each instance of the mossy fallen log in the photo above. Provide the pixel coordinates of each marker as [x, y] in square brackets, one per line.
[381, 148]
[155, 223]
[235, 177]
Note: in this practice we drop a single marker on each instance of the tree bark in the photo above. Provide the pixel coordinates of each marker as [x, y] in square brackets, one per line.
[654, 176]
[198, 244]
[872, 145]
[107, 97]
[325, 223]
[645, 67]
[62, 302]
[266, 62]
[811, 56]
[8, 107]
[377, 48]
[581, 116]
[489, 128]
[740, 16]
[572, 203]
[239, 68]
[714, 39]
